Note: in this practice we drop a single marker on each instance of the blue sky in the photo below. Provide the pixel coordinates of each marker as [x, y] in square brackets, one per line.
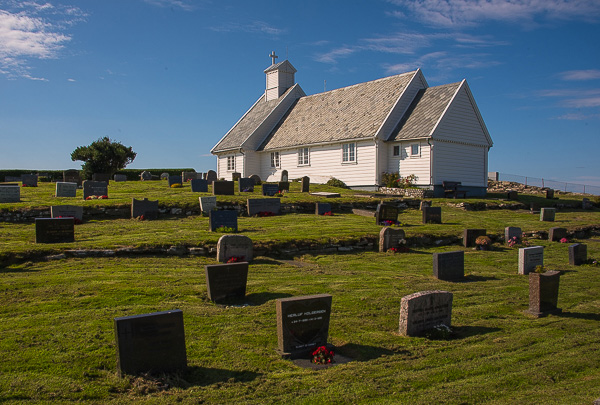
[170, 77]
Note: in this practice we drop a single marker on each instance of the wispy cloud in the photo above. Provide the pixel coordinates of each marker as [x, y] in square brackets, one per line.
[590, 74]
[251, 27]
[587, 100]
[185, 5]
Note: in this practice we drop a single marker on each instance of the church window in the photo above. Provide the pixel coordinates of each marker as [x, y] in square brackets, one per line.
[230, 163]
[303, 157]
[414, 149]
[275, 162]
[349, 153]
[396, 150]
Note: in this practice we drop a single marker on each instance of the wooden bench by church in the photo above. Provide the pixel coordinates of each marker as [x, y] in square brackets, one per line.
[451, 189]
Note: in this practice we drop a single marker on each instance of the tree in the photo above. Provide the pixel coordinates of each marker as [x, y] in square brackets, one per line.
[103, 156]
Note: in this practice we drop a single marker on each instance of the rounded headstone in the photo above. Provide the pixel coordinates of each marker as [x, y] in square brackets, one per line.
[146, 175]
[164, 176]
[239, 246]
[256, 178]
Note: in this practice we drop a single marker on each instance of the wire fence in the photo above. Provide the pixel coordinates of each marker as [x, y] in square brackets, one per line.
[538, 182]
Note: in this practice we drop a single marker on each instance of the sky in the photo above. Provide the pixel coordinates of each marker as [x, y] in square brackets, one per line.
[170, 77]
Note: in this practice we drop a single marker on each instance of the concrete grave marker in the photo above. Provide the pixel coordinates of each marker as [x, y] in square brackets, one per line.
[305, 184]
[207, 204]
[322, 208]
[326, 194]
[385, 213]
[432, 215]
[270, 189]
[586, 204]
[391, 238]
[534, 208]
[284, 176]
[529, 258]
[547, 214]
[424, 310]
[543, 293]
[449, 266]
[164, 176]
[258, 205]
[145, 176]
[29, 180]
[470, 235]
[226, 281]
[239, 246]
[556, 234]
[94, 188]
[145, 207]
[187, 176]
[199, 185]
[224, 218]
[245, 185]
[577, 254]
[10, 193]
[512, 195]
[549, 193]
[424, 204]
[54, 230]
[256, 179]
[64, 189]
[65, 211]
[211, 176]
[512, 232]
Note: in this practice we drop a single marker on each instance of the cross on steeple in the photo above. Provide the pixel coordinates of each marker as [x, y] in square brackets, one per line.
[273, 56]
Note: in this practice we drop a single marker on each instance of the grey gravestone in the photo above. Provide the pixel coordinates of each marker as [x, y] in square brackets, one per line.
[549, 193]
[284, 176]
[386, 212]
[97, 188]
[145, 207]
[10, 179]
[153, 343]
[529, 258]
[534, 208]
[245, 185]
[239, 246]
[211, 176]
[586, 204]
[302, 324]
[322, 208]
[145, 176]
[424, 310]
[512, 195]
[72, 176]
[449, 265]
[225, 218]
[305, 184]
[29, 180]
[54, 230]
[199, 185]
[424, 204]
[10, 193]
[257, 205]
[105, 177]
[390, 238]
[543, 293]
[64, 189]
[226, 281]
[256, 179]
[270, 189]
[511, 232]
[120, 178]
[174, 180]
[64, 211]
[207, 204]
[164, 176]
[186, 176]
[283, 186]
[223, 187]
[548, 214]
[470, 235]
[577, 254]
[236, 176]
[556, 234]
[432, 215]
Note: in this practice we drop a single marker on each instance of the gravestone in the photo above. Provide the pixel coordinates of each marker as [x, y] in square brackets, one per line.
[424, 204]
[145, 176]
[239, 246]
[72, 176]
[424, 310]
[10, 192]
[302, 324]
[64, 211]
[64, 189]
[322, 208]
[226, 281]
[556, 234]
[174, 180]
[54, 230]
[534, 208]
[548, 214]
[577, 254]
[283, 186]
[29, 180]
[105, 177]
[145, 207]
[284, 176]
[257, 205]
[207, 204]
[470, 235]
[256, 178]
[94, 188]
[326, 194]
[512, 195]
[150, 343]
[245, 185]
[305, 184]
[164, 176]
[199, 185]
[187, 176]
[211, 176]
[511, 232]
[432, 215]
[12, 179]
[224, 218]
[449, 266]
[235, 176]
[529, 258]
[543, 293]
[549, 193]
[270, 189]
[391, 238]
[586, 204]
[386, 212]
[223, 187]
[120, 178]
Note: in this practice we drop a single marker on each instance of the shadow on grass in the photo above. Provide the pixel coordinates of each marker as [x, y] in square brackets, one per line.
[365, 353]
[202, 376]
[262, 298]
[580, 315]
[19, 269]
[472, 278]
[463, 332]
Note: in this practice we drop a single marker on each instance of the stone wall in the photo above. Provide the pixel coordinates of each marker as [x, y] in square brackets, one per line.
[407, 192]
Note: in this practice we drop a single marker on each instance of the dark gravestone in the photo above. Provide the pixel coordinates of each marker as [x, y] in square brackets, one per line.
[145, 207]
[54, 230]
[245, 185]
[449, 265]
[223, 187]
[187, 176]
[238, 246]
[586, 204]
[226, 281]
[235, 176]
[305, 184]
[199, 185]
[105, 177]
[270, 189]
[72, 176]
[390, 238]
[424, 204]
[257, 205]
[66, 189]
[432, 215]
[385, 213]
[284, 186]
[577, 254]
[302, 324]
[10, 192]
[145, 176]
[470, 235]
[284, 176]
[512, 195]
[225, 218]
[543, 293]
[150, 343]
[94, 188]
[548, 214]
[211, 176]
[174, 180]
[529, 258]
[29, 180]
[256, 179]
[534, 208]
[120, 178]
[549, 193]
[424, 310]
[207, 204]
[322, 208]
[511, 232]
[67, 211]
[12, 179]
[556, 234]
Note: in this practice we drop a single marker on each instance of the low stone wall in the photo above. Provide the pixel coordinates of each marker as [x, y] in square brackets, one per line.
[407, 192]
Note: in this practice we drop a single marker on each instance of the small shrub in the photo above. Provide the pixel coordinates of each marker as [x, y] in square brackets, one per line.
[333, 182]
[540, 269]
[438, 332]
[393, 180]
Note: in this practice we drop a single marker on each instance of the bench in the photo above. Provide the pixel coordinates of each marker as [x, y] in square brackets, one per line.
[451, 189]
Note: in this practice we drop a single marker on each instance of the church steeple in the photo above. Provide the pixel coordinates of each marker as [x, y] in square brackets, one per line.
[280, 77]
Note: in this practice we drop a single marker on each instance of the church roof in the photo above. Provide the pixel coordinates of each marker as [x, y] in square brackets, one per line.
[353, 112]
[285, 66]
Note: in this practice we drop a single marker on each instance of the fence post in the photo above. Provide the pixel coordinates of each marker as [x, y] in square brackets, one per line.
[525, 180]
[542, 182]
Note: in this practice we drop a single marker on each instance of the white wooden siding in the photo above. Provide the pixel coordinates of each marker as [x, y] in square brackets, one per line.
[222, 171]
[252, 164]
[456, 162]
[406, 164]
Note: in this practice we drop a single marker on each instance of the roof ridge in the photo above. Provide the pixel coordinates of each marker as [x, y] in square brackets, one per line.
[362, 84]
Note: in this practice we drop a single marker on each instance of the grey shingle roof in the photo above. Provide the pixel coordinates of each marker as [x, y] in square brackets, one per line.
[352, 112]
[424, 112]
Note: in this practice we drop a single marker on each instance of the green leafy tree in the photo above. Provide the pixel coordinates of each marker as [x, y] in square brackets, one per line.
[103, 156]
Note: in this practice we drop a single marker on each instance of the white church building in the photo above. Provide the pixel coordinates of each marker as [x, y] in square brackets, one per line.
[356, 133]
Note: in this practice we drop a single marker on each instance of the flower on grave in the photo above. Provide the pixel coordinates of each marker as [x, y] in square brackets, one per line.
[103, 197]
[513, 241]
[439, 332]
[389, 222]
[540, 269]
[399, 249]
[176, 185]
[564, 240]
[328, 214]
[236, 259]
[265, 214]
[247, 190]
[483, 240]
[92, 197]
[225, 229]
[322, 355]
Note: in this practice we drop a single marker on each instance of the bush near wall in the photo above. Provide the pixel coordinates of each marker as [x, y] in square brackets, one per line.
[57, 175]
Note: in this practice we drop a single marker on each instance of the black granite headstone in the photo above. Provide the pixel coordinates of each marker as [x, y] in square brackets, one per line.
[145, 207]
[105, 177]
[94, 188]
[449, 265]
[305, 184]
[284, 186]
[270, 189]
[322, 208]
[54, 230]
[226, 281]
[577, 254]
[432, 215]
[245, 185]
[224, 218]
[470, 235]
[174, 180]
[257, 205]
[199, 185]
[386, 212]
[223, 187]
